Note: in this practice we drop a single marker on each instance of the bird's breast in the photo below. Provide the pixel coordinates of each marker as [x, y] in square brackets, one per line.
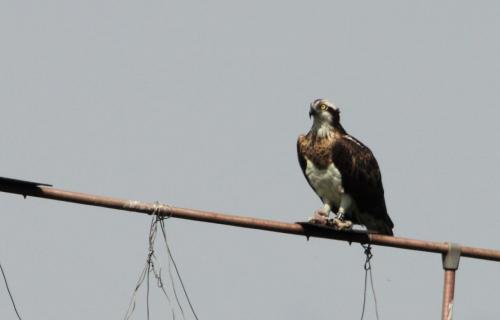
[327, 182]
[319, 151]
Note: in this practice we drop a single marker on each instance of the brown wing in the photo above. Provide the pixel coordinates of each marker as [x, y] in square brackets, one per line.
[302, 159]
[362, 180]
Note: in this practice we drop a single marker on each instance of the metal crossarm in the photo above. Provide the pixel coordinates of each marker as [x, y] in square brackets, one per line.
[451, 252]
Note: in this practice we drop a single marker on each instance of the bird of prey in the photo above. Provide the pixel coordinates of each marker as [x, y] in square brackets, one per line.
[343, 172]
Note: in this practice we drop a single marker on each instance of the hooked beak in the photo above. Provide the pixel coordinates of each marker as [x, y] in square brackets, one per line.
[311, 112]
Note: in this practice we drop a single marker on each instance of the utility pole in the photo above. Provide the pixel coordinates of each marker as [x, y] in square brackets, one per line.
[450, 252]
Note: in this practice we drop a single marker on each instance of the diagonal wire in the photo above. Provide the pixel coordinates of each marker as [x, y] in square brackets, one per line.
[174, 288]
[368, 272]
[10, 294]
[132, 303]
[159, 283]
[162, 225]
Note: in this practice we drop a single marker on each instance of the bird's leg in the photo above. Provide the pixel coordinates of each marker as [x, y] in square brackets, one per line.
[321, 215]
[338, 221]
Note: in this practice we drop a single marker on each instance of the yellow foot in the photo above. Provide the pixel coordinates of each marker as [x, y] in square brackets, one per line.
[342, 224]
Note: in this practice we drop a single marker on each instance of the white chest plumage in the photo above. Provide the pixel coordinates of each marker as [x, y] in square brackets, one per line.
[326, 182]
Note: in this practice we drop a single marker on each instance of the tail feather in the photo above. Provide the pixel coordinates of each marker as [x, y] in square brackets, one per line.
[385, 226]
[377, 223]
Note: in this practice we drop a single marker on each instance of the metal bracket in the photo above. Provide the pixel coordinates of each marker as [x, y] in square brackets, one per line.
[452, 257]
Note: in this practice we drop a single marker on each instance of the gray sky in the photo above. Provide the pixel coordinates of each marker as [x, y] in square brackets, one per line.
[199, 104]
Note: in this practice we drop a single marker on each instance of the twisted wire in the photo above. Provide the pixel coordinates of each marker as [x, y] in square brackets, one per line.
[368, 272]
[150, 267]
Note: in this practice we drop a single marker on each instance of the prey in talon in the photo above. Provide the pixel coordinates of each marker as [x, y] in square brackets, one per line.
[343, 172]
[321, 216]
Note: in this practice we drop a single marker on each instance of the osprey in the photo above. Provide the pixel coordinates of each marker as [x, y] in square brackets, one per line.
[343, 172]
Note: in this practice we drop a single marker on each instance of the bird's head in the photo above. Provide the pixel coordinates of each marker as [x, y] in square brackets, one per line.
[325, 114]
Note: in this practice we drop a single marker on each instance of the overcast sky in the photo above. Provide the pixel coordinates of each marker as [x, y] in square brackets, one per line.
[199, 104]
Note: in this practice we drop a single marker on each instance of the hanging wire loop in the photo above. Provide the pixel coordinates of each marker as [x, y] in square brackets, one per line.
[158, 218]
[368, 273]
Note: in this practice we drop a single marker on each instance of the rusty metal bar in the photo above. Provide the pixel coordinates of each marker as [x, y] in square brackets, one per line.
[448, 294]
[42, 191]
[451, 260]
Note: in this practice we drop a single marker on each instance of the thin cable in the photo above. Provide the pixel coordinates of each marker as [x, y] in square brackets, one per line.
[150, 267]
[131, 306]
[147, 292]
[162, 225]
[171, 277]
[159, 219]
[374, 294]
[174, 288]
[368, 272]
[10, 294]
[364, 297]
[146, 271]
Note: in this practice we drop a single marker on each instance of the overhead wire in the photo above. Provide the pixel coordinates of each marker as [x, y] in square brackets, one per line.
[8, 290]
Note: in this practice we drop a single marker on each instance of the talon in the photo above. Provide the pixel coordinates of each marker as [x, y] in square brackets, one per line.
[342, 224]
[317, 221]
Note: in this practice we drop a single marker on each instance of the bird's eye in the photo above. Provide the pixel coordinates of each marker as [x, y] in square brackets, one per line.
[323, 107]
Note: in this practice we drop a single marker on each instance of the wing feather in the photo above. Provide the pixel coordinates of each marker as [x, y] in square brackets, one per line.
[361, 179]
[302, 159]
